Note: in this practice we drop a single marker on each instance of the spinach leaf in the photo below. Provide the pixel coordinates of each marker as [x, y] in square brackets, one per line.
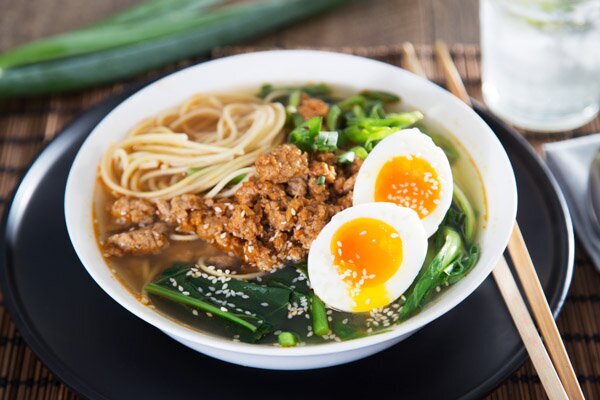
[433, 272]
[255, 307]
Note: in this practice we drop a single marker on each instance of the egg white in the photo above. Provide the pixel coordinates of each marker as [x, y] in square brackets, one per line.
[324, 276]
[404, 143]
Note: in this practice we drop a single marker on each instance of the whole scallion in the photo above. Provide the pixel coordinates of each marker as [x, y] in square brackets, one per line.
[153, 9]
[137, 54]
[108, 36]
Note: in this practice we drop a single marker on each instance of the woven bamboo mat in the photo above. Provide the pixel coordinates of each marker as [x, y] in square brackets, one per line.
[26, 125]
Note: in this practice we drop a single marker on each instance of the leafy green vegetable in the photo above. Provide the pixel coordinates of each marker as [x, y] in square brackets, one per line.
[333, 117]
[293, 277]
[326, 141]
[349, 102]
[237, 179]
[346, 157]
[384, 97]
[320, 90]
[461, 267]
[255, 307]
[441, 141]
[245, 321]
[350, 155]
[396, 120]
[265, 90]
[367, 131]
[346, 331]
[358, 111]
[376, 110]
[287, 339]
[470, 221]
[293, 101]
[304, 135]
[317, 90]
[296, 120]
[309, 137]
[432, 275]
[318, 314]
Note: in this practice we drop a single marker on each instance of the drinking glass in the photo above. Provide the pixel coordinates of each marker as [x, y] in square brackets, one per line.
[541, 61]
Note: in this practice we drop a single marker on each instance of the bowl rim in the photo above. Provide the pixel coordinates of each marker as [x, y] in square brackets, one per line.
[175, 329]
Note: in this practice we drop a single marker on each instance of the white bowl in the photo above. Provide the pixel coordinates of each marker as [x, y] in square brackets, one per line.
[285, 67]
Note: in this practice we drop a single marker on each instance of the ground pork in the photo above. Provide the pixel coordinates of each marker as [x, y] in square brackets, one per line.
[282, 164]
[273, 218]
[147, 240]
[127, 210]
[312, 107]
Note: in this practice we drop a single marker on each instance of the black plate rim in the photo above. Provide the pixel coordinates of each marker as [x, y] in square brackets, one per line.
[11, 299]
[557, 301]
[65, 374]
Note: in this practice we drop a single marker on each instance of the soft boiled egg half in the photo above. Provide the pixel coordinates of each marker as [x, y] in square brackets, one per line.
[408, 169]
[367, 256]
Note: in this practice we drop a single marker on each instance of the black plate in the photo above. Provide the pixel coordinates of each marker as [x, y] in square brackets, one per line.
[103, 352]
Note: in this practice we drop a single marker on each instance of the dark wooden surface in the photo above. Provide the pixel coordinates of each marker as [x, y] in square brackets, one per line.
[362, 23]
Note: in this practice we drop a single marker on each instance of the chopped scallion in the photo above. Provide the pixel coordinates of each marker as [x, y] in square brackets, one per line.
[287, 339]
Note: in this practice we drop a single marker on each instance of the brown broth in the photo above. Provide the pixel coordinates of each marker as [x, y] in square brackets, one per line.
[135, 272]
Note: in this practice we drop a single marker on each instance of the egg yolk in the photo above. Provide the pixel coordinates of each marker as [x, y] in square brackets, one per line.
[411, 182]
[367, 253]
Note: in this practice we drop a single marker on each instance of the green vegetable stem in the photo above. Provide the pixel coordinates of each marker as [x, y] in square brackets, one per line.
[287, 339]
[470, 221]
[431, 276]
[319, 316]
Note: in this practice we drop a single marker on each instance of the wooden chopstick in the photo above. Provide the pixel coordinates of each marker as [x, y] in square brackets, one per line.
[411, 60]
[502, 274]
[522, 261]
[542, 313]
[532, 341]
[523, 264]
[453, 80]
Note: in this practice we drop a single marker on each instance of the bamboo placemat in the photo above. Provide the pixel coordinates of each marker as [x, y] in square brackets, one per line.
[26, 125]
